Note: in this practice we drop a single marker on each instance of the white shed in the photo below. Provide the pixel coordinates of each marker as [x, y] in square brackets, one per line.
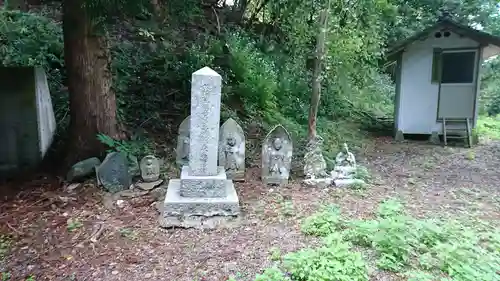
[437, 78]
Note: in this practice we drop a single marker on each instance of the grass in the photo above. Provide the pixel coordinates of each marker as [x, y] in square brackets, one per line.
[488, 127]
[414, 248]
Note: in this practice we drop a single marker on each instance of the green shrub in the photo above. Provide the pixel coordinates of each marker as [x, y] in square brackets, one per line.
[420, 249]
[333, 261]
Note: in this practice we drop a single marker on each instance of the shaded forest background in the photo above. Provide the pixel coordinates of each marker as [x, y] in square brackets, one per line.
[263, 49]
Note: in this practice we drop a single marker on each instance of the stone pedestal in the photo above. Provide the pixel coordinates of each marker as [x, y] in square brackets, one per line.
[203, 197]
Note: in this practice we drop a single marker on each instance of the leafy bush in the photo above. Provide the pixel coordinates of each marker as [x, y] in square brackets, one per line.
[28, 39]
[419, 249]
[323, 223]
[333, 261]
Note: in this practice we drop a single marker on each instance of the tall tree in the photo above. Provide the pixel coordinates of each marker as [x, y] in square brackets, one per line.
[317, 75]
[87, 58]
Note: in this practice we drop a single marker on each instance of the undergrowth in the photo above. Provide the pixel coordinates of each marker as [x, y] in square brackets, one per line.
[488, 127]
[421, 250]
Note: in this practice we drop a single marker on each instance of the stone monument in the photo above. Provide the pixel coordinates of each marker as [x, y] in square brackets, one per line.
[150, 168]
[113, 173]
[345, 168]
[203, 197]
[277, 156]
[182, 151]
[232, 150]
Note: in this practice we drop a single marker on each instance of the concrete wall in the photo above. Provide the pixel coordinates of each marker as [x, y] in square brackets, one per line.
[418, 99]
[26, 118]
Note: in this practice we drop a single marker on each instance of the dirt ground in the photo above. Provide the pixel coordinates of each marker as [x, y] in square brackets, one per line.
[58, 235]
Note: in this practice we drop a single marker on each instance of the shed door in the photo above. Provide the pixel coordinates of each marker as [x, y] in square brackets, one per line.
[457, 88]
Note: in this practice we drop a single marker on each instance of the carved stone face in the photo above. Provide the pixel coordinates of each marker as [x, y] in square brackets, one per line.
[277, 143]
[345, 149]
[149, 162]
[231, 141]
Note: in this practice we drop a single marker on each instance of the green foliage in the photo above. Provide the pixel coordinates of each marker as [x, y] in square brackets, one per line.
[29, 39]
[73, 224]
[420, 249]
[135, 147]
[323, 223]
[333, 261]
[5, 276]
[272, 274]
[5, 243]
[488, 127]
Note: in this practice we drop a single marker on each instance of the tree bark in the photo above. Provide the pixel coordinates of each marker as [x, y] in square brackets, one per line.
[318, 67]
[91, 100]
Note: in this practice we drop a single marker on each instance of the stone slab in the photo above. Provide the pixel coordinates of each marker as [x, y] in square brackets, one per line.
[274, 180]
[200, 222]
[203, 186]
[176, 205]
[204, 121]
[348, 182]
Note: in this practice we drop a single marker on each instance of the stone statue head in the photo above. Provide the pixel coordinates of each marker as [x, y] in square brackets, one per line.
[345, 149]
[231, 141]
[277, 143]
[149, 161]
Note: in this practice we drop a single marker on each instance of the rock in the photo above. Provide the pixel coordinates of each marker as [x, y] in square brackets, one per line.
[113, 174]
[133, 166]
[434, 138]
[348, 182]
[132, 193]
[400, 137]
[321, 182]
[158, 194]
[147, 186]
[72, 187]
[82, 169]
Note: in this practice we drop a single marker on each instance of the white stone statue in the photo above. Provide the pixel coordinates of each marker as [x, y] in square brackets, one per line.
[276, 156]
[232, 150]
[345, 163]
[150, 168]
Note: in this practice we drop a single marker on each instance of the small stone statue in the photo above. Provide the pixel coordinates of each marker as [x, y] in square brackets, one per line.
[150, 168]
[232, 150]
[184, 153]
[345, 163]
[315, 164]
[277, 159]
[182, 150]
[231, 154]
[276, 156]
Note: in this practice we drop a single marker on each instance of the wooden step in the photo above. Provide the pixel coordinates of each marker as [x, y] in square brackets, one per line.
[463, 133]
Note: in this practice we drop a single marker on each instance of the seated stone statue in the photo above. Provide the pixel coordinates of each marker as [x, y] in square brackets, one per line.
[345, 163]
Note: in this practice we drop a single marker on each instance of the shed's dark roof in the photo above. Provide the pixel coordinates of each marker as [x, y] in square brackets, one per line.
[474, 34]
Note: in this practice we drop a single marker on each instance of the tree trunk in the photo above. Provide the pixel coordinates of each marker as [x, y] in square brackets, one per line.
[317, 77]
[92, 101]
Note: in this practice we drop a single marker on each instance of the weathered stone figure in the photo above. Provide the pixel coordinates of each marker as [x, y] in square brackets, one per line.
[315, 164]
[232, 150]
[345, 163]
[182, 151]
[276, 156]
[150, 168]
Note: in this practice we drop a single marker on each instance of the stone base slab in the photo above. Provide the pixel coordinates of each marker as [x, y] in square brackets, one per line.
[203, 186]
[348, 182]
[274, 180]
[199, 222]
[176, 205]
